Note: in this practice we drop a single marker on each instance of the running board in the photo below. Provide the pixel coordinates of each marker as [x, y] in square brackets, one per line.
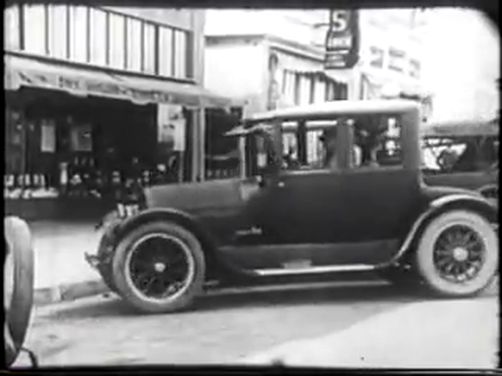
[315, 270]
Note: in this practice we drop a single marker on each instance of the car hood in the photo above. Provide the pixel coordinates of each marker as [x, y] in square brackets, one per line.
[195, 197]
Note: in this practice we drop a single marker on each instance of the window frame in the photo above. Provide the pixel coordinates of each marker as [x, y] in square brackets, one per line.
[80, 40]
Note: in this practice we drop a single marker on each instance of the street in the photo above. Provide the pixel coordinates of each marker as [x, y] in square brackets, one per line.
[223, 327]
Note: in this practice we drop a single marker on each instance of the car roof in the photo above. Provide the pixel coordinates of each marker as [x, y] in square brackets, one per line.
[461, 128]
[338, 107]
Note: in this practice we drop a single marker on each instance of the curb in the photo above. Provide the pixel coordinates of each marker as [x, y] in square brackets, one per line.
[68, 292]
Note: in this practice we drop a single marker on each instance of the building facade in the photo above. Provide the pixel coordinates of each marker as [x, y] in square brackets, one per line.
[97, 97]
[269, 59]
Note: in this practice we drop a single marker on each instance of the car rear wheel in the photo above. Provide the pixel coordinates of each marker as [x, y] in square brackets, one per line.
[457, 254]
[159, 267]
[18, 283]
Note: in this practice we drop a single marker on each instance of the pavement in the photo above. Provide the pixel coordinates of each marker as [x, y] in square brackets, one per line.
[331, 324]
[61, 272]
[454, 334]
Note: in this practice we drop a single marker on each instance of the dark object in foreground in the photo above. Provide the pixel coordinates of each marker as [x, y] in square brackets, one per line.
[18, 286]
[361, 205]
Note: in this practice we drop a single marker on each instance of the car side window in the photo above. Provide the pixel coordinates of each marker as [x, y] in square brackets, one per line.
[377, 142]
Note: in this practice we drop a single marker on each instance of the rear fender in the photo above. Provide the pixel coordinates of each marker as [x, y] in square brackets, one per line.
[438, 206]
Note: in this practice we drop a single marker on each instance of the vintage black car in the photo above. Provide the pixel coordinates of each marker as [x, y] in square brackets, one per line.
[327, 188]
[463, 154]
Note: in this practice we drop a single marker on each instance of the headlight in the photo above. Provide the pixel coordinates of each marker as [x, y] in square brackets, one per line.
[127, 210]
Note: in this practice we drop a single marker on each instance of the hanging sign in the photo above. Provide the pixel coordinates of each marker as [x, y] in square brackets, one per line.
[342, 39]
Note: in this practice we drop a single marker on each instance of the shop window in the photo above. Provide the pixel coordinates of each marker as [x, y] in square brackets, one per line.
[117, 41]
[180, 51]
[11, 28]
[149, 49]
[34, 28]
[58, 18]
[133, 45]
[78, 33]
[97, 35]
[165, 51]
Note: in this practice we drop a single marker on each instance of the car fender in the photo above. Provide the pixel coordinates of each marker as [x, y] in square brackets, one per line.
[438, 206]
[168, 214]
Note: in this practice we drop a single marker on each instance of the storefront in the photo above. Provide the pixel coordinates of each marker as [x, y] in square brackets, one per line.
[74, 134]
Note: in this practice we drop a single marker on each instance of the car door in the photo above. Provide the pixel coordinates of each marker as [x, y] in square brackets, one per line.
[305, 207]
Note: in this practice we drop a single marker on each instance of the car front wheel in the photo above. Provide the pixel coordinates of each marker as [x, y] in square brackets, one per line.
[159, 267]
[457, 254]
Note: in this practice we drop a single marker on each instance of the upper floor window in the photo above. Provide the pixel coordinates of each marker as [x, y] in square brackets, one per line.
[58, 25]
[100, 37]
[180, 47]
[11, 28]
[165, 51]
[149, 48]
[34, 28]
[396, 59]
[117, 46]
[134, 45]
[78, 33]
[98, 45]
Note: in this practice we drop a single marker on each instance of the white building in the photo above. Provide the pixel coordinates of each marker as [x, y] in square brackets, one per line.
[239, 44]
[268, 58]
[461, 64]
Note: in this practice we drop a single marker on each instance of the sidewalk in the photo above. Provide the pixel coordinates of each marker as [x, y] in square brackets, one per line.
[61, 272]
[433, 334]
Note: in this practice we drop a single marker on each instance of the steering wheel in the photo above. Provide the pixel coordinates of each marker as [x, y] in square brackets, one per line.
[18, 285]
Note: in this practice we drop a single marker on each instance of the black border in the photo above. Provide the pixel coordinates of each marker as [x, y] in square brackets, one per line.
[491, 10]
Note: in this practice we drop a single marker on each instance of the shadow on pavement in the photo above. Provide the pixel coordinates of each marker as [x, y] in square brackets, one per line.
[283, 296]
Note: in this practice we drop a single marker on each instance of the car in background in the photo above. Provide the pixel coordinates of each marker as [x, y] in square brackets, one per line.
[345, 193]
[462, 154]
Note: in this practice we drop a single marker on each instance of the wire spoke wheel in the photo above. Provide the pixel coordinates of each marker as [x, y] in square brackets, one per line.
[159, 265]
[458, 253]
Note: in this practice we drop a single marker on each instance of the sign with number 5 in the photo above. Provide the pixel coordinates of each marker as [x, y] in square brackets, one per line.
[342, 39]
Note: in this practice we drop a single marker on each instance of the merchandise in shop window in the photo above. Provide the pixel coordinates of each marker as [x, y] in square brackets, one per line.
[63, 177]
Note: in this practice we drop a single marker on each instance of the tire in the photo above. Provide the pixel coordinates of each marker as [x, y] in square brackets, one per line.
[19, 305]
[193, 256]
[430, 257]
